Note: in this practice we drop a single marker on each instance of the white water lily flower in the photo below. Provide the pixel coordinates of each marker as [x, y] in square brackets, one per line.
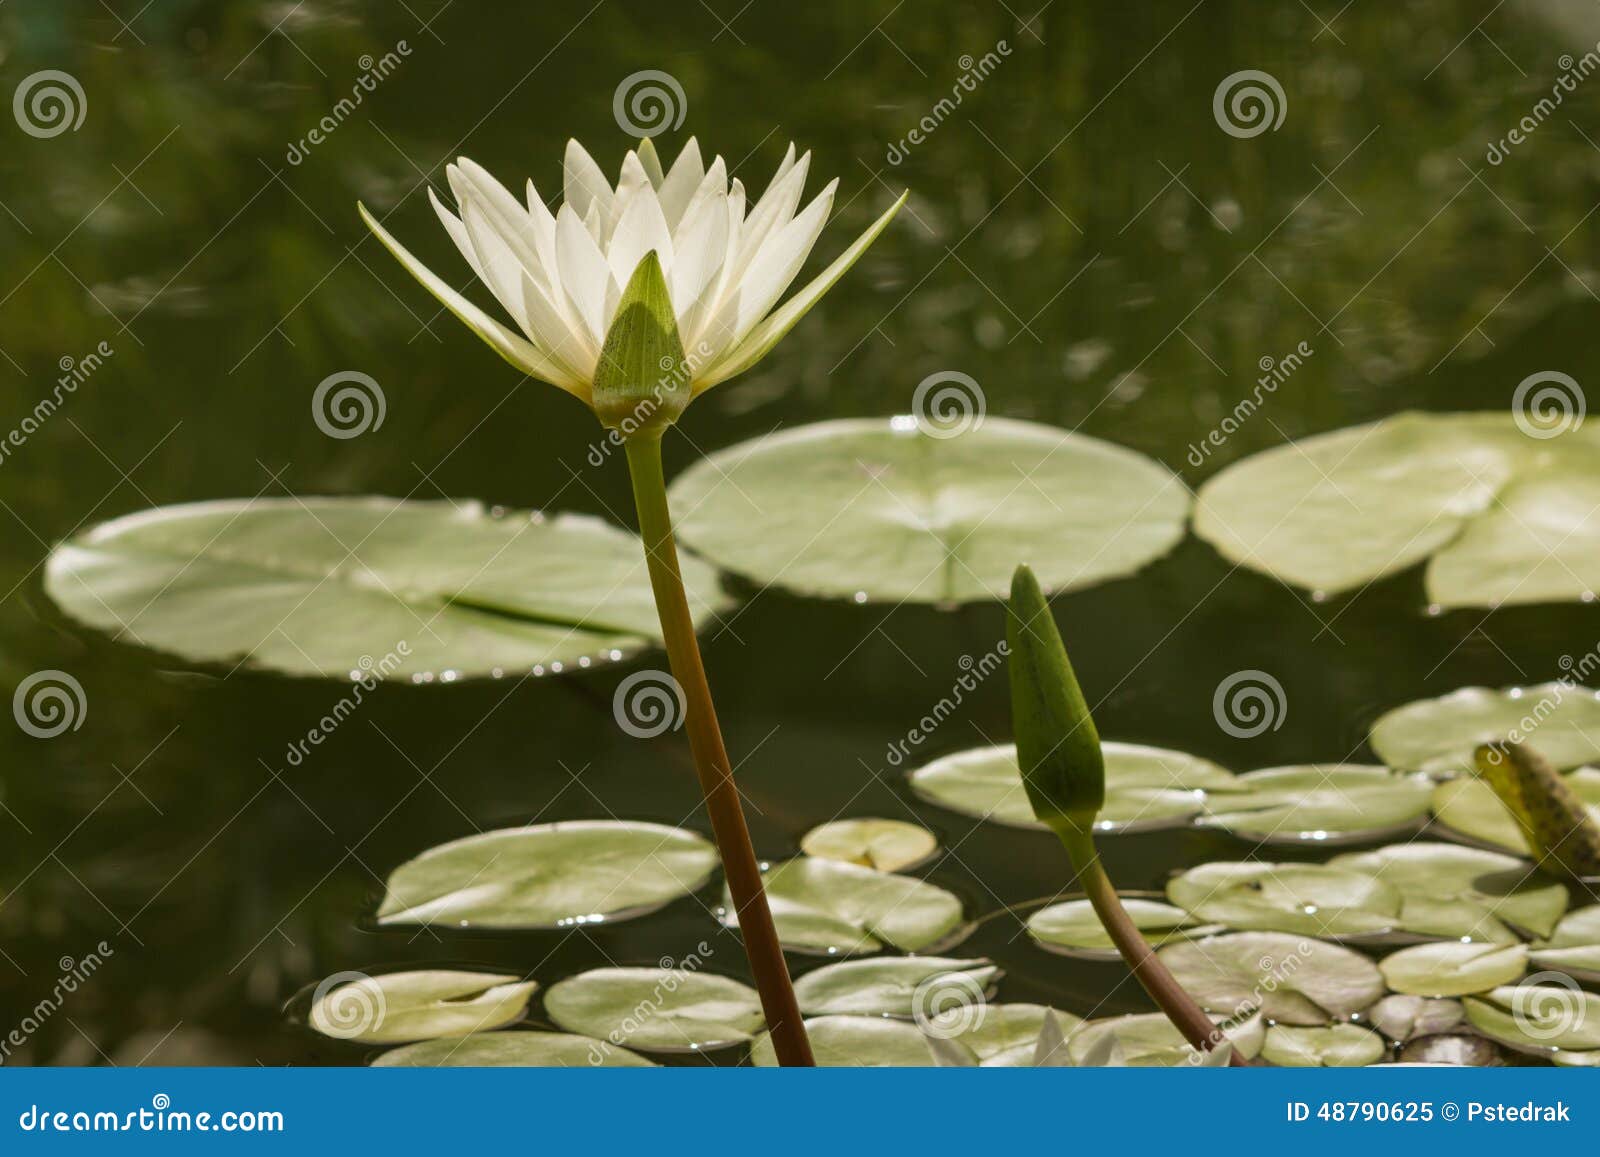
[562, 276]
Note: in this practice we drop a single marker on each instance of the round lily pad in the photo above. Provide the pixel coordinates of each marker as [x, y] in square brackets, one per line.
[1072, 928]
[861, 1042]
[1470, 809]
[367, 588]
[1322, 1046]
[513, 1049]
[1500, 516]
[823, 906]
[1462, 893]
[887, 845]
[548, 876]
[1574, 946]
[1538, 1018]
[1147, 788]
[1453, 968]
[1288, 979]
[1149, 1040]
[1010, 1035]
[1402, 1018]
[1438, 736]
[412, 1006]
[1320, 803]
[656, 1009]
[924, 987]
[876, 509]
[1306, 898]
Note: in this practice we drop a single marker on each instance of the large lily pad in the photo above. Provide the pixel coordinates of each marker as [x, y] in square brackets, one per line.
[1462, 893]
[862, 1042]
[1321, 803]
[1453, 968]
[1403, 1018]
[656, 1009]
[1574, 946]
[1306, 898]
[1439, 735]
[1500, 516]
[1469, 808]
[1538, 1018]
[835, 909]
[367, 588]
[548, 876]
[513, 1049]
[888, 845]
[1147, 788]
[1288, 979]
[1009, 1035]
[1322, 1046]
[412, 1006]
[1150, 1040]
[877, 509]
[924, 987]
[1072, 928]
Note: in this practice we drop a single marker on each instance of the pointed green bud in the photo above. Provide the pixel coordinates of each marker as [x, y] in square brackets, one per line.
[643, 380]
[1057, 744]
[1554, 822]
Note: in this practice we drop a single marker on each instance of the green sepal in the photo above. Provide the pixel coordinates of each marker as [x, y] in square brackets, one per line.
[643, 380]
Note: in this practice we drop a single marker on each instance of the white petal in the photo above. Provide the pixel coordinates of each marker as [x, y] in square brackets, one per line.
[641, 229]
[698, 253]
[524, 298]
[780, 259]
[681, 183]
[504, 214]
[544, 239]
[651, 160]
[713, 186]
[458, 232]
[583, 183]
[630, 183]
[770, 214]
[584, 277]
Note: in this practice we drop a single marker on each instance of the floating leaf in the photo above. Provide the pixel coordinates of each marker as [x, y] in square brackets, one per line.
[513, 1049]
[1009, 1036]
[1323, 1046]
[1402, 1018]
[1469, 808]
[1147, 788]
[1574, 946]
[1306, 898]
[1072, 928]
[827, 907]
[366, 588]
[1538, 1018]
[656, 1009]
[1150, 1040]
[1451, 968]
[1438, 736]
[1288, 979]
[1501, 516]
[412, 1006]
[1463, 1049]
[1462, 893]
[887, 845]
[902, 986]
[876, 509]
[548, 876]
[861, 1042]
[1321, 803]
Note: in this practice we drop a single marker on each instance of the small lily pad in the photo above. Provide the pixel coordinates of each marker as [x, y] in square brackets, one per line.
[513, 1049]
[1403, 1018]
[1288, 979]
[861, 1042]
[1453, 968]
[1150, 1040]
[887, 845]
[1462, 893]
[1322, 1046]
[656, 1009]
[1320, 803]
[1438, 736]
[1470, 809]
[876, 509]
[907, 986]
[1538, 1018]
[823, 906]
[1008, 1035]
[1307, 898]
[1147, 788]
[548, 876]
[1072, 928]
[367, 588]
[410, 1006]
[1574, 946]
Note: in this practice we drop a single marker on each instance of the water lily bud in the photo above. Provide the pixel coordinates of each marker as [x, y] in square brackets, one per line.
[1559, 831]
[1057, 744]
[642, 381]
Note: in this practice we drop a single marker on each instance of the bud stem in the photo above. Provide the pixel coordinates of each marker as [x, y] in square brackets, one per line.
[739, 863]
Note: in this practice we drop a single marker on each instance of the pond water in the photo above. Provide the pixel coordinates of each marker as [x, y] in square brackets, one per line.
[1083, 240]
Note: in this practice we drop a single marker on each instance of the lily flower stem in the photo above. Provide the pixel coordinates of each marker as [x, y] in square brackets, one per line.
[739, 863]
[1188, 1017]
